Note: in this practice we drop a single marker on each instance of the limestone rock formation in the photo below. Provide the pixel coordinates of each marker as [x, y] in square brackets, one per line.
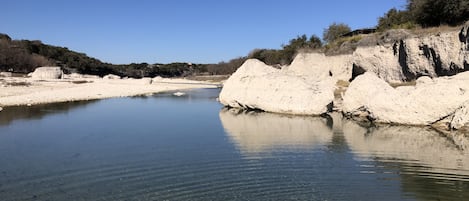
[412, 56]
[423, 104]
[321, 66]
[47, 73]
[256, 85]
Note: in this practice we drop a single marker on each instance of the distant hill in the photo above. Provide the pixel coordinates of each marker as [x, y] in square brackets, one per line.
[23, 56]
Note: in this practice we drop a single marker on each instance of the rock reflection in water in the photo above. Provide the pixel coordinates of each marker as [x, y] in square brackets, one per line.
[409, 144]
[260, 132]
[430, 166]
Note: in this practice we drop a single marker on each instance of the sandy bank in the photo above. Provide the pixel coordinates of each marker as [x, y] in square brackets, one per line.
[26, 91]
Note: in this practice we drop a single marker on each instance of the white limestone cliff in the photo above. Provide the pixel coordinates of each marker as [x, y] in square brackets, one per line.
[412, 56]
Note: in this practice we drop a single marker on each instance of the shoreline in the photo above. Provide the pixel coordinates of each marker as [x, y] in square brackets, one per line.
[17, 91]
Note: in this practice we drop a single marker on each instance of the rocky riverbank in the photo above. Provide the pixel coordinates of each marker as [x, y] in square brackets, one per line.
[429, 70]
[50, 88]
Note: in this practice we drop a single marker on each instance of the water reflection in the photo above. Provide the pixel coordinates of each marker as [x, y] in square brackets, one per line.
[428, 165]
[425, 160]
[10, 114]
[421, 145]
[257, 132]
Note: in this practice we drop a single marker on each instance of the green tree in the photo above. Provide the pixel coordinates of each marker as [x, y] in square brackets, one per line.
[335, 31]
[315, 42]
[436, 12]
[395, 19]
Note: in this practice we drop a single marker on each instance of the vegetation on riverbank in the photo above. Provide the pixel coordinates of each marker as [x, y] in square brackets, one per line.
[23, 56]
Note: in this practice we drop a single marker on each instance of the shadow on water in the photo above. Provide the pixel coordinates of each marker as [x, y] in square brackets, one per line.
[10, 114]
[428, 165]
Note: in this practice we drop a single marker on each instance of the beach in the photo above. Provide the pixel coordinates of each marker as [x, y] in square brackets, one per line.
[16, 91]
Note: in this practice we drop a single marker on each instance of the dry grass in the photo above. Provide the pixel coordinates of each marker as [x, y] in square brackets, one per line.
[419, 31]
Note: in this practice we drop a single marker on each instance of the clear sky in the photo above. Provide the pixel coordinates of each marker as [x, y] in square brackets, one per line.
[164, 31]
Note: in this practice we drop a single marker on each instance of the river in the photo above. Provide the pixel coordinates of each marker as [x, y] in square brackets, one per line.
[165, 147]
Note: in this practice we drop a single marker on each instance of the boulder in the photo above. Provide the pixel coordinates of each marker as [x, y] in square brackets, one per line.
[256, 85]
[423, 104]
[111, 77]
[158, 79]
[47, 73]
[6, 74]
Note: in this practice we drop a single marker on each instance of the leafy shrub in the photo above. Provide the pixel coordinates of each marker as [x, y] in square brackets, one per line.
[335, 31]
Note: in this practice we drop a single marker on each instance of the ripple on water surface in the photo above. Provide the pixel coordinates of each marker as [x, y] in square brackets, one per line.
[189, 148]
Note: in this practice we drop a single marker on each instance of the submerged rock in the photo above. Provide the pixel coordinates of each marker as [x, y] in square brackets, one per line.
[256, 85]
[47, 73]
[422, 104]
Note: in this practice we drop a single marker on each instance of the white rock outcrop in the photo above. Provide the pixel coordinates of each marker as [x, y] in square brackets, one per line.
[47, 73]
[412, 56]
[424, 104]
[380, 60]
[338, 67]
[256, 85]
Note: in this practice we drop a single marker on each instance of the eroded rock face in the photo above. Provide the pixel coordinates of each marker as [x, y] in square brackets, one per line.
[338, 67]
[256, 85]
[411, 56]
[424, 104]
[47, 73]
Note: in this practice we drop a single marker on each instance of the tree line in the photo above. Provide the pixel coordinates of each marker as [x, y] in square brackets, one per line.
[24, 55]
[417, 13]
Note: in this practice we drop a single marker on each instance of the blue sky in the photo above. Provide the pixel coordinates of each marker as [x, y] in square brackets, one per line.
[164, 31]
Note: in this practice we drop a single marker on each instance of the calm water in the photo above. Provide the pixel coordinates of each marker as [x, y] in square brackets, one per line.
[189, 148]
